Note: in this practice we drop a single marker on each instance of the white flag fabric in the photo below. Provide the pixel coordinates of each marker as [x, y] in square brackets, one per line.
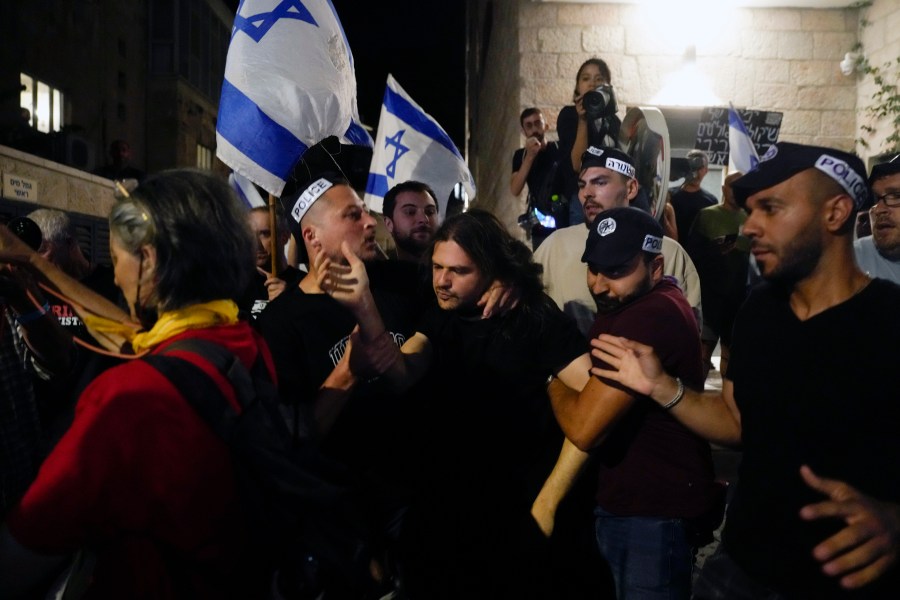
[245, 190]
[741, 152]
[289, 84]
[411, 145]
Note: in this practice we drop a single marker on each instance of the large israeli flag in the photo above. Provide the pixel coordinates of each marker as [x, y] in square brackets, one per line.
[289, 84]
[411, 145]
[741, 152]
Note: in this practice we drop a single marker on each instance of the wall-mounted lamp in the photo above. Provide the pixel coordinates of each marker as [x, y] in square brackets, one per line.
[848, 65]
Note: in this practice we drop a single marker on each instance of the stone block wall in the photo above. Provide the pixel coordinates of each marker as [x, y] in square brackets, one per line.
[880, 39]
[60, 186]
[776, 59]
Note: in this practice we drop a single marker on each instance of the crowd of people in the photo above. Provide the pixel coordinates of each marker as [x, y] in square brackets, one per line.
[503, 421]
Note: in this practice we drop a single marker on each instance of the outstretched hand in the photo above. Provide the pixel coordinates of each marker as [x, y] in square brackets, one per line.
[634, 365]
[346, 283]
[868, 545]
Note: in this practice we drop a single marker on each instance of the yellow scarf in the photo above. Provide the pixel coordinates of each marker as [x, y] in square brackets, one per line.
[169, 324]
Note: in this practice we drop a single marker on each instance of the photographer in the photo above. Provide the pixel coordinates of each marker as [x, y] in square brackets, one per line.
[538, 165]
[589, 121]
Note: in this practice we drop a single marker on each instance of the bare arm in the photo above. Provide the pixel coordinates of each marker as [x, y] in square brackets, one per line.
[373, 352]
[571, 460]
[670, 226]
[565, 473]
[581, 135]
[587, 417]
[532, 147]
[711, 415]
[85, 301]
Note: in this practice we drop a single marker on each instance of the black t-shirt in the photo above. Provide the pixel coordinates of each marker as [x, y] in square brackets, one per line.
[820, 392]
[491, 416]
[687, 205]
[308, 334]
[541, 166]
[547, 182]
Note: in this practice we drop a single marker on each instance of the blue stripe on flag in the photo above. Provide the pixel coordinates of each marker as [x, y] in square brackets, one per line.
[377, 185]
[240, 192]
[273, 147]
[415, 118]
[358, 135]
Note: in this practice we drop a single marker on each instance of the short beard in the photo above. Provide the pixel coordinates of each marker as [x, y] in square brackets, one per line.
[891, 253]
[799, 259]
[607, 305]
[412, 246]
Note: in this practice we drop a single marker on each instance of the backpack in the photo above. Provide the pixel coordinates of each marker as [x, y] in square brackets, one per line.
[307, 536]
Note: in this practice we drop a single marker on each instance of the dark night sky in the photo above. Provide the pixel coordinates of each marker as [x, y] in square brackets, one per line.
[422, 44]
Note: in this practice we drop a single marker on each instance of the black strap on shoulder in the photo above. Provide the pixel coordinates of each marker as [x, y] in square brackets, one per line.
[199, 389]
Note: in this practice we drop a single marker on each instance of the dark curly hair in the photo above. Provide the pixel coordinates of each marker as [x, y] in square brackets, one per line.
[497, 254]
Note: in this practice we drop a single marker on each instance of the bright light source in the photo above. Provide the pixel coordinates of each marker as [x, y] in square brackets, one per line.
[687, 86]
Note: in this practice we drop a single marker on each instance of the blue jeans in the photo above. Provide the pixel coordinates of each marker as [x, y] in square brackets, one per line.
[650, 558]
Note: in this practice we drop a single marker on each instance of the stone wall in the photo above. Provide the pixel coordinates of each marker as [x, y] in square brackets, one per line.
[776, 59]
[59, 186]
[494, 83]
[880, 39]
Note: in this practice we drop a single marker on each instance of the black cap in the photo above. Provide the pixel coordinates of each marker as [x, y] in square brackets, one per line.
[608, 158]
[783, 160]
[618, 234]
[891, 167]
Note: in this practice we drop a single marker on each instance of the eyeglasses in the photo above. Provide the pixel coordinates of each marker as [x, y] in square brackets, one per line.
[891, 199]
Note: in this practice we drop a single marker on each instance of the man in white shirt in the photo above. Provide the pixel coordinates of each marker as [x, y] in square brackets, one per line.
[879, 254]
[607, 180]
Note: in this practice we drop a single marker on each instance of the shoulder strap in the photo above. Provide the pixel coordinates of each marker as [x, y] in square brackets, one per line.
[199, 389]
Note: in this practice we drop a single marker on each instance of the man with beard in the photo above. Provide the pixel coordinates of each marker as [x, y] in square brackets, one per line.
[607, 180]
[654, 477]
[808, 394]
[357, 420]
[411, 217]
[486, 435]
[539, 164]
[879, 254]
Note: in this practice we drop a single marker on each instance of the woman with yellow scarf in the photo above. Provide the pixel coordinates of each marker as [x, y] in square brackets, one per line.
[139, 479]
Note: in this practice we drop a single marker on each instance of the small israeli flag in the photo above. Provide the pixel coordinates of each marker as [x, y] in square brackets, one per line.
[741, 152]
[245, 190]
[289, 84]
[410, 145]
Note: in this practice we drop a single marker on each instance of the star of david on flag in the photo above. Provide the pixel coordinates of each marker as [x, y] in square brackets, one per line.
[289, 83]
[742, 154]
[411, 145]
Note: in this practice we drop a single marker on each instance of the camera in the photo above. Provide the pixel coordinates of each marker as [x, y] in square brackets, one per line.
[600, 103]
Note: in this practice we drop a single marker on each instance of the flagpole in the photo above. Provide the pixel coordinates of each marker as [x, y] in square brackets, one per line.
[273, 235]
